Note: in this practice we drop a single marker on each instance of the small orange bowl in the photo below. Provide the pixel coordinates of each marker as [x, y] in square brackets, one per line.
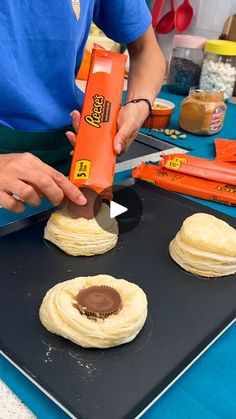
[161, 112]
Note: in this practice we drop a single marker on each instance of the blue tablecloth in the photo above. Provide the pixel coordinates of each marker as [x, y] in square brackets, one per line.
[7, 217]
[192, 142]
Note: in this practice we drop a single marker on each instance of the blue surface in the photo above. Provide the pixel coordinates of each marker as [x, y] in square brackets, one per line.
[193, 142]
[207, 390]
[7, 217]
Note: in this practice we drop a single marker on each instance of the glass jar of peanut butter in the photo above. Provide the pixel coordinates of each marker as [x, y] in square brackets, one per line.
[202, 112]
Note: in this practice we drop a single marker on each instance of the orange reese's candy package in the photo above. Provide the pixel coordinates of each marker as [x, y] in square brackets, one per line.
[195, 166]
[186, 184]
[93, 162]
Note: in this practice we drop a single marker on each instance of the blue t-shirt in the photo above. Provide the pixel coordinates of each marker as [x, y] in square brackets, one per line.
[41, 48]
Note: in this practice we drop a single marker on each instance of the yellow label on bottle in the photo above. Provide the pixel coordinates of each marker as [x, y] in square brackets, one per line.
[175, 163]
[82, 170]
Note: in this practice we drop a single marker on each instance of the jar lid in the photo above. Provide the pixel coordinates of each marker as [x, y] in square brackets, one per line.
[189, 41]
[220, 47]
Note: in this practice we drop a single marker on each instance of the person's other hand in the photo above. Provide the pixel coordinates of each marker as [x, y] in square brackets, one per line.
[75, 116]
[26, 177]
[129, 121]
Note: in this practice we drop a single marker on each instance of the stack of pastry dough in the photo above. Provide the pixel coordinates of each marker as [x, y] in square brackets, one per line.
[205, 246]
[81, 237]
[60, 315]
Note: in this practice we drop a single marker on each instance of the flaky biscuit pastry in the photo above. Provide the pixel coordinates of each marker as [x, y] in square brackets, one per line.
[81, 237]
[60, 315]
[208, 233]
[205, 246]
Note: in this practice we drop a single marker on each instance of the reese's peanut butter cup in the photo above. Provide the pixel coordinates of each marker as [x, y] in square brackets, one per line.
[98, 301]
[94, 157]
[88, 210]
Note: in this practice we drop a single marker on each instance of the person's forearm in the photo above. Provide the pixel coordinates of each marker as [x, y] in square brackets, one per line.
[147, 68]
[146, 75]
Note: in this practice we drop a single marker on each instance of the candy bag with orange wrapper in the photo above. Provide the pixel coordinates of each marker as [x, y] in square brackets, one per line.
[94, 158]
[225, 150]
[84, 67]
[83, 72]
[207, 169]
[190, 185]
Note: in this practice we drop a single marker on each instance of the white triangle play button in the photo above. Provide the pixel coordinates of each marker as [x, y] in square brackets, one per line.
[116, 209]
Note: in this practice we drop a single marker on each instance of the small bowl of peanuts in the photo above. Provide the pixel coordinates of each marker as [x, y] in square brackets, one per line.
[161, 113]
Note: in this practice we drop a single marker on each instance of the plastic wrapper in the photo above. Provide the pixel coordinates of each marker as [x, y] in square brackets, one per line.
[225, 150]
[93, 162]
[209, 190]
[195, 166]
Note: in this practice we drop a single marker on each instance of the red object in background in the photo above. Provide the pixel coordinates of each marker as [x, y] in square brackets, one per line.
[225, 150]
[167, 23]
[156, 11]
[183, 16]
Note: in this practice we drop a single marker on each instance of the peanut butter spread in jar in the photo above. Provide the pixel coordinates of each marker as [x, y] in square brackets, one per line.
[203, 112]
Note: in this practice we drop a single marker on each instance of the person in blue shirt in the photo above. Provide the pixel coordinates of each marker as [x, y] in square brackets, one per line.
[41, 48]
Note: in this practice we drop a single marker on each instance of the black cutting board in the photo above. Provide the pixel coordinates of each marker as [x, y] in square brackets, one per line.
[185, 312]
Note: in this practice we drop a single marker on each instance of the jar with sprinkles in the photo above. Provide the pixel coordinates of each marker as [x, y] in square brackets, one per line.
[219, 67]
[185, 64]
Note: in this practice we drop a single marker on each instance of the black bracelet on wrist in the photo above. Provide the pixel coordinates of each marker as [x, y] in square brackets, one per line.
[139, 100]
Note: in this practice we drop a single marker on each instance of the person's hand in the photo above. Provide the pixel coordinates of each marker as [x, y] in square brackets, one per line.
[25, 178]
[129, 121]
[75, 116]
